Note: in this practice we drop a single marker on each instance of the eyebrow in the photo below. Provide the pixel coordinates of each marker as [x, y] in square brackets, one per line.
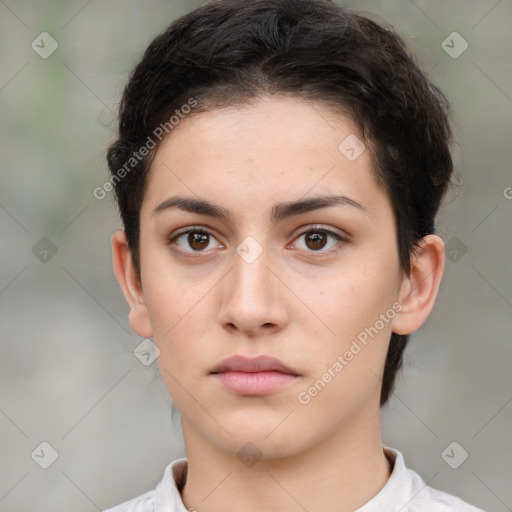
[280, 211]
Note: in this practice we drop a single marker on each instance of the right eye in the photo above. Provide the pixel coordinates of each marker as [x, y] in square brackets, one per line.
[197, 239]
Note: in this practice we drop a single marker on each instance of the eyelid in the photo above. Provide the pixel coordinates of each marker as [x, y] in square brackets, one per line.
[188, 229]
[329, 230]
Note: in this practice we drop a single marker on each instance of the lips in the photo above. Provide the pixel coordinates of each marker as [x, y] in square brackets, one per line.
[257, 376]
[261, 363]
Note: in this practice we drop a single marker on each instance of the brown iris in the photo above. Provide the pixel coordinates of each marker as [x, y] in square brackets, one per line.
[198, 241]
[316, 239]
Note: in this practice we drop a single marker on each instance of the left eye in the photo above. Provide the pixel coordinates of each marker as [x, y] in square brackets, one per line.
[316, 240]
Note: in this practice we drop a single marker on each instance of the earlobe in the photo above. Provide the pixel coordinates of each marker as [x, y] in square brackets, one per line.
[419, 290]
[130, 285]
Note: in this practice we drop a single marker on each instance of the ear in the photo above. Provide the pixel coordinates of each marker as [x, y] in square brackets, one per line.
[131, 285]
[418, 291]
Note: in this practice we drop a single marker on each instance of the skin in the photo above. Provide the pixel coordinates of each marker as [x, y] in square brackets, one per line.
[294, 302]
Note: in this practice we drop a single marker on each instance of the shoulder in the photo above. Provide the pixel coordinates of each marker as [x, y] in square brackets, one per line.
[439, 501]
[143, 503]
[426, 498]
[165, 496]
[414, 495]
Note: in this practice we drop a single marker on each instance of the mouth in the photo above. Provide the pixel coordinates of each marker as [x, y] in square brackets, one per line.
[253, 376]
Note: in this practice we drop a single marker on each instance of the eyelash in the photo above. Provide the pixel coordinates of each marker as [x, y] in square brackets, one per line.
[342, 241]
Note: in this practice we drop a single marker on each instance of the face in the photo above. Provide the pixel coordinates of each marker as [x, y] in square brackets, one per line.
[281, 245]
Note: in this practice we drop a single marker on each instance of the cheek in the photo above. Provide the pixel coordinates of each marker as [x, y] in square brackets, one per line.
[347, 368]
[351, 308]
[180, 314]
[181, 318]
[355, 300]
[182, 338]
[174, 295]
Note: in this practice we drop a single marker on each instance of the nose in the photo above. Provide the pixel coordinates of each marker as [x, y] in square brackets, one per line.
[253, 297]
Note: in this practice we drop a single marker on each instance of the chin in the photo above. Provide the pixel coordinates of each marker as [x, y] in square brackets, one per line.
[263, 447]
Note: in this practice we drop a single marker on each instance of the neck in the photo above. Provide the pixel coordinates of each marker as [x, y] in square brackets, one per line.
[341, 474]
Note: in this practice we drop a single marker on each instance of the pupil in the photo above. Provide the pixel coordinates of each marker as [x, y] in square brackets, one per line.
[316, 239]
[198, 238]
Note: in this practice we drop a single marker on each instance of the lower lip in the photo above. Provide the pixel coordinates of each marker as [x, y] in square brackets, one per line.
[256, 383]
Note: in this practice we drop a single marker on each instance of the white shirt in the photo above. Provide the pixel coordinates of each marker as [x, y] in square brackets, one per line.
[405, 491]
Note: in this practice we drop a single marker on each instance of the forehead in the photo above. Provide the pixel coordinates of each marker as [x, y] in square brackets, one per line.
[268, 151]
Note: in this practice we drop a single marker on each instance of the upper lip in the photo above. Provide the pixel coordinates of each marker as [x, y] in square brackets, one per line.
[239, 363]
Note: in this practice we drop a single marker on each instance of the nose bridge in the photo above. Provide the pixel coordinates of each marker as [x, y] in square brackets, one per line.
[250, 281]
[251, 297]
[251, 269]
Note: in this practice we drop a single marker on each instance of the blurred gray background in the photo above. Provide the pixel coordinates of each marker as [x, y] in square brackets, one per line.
[68, 375]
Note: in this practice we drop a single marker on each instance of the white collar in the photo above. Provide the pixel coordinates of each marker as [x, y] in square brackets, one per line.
[167, 496]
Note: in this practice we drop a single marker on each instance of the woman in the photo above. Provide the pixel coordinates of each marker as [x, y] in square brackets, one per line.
[278, 171]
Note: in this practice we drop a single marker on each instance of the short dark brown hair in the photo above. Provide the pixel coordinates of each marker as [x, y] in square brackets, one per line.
[228, 53]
